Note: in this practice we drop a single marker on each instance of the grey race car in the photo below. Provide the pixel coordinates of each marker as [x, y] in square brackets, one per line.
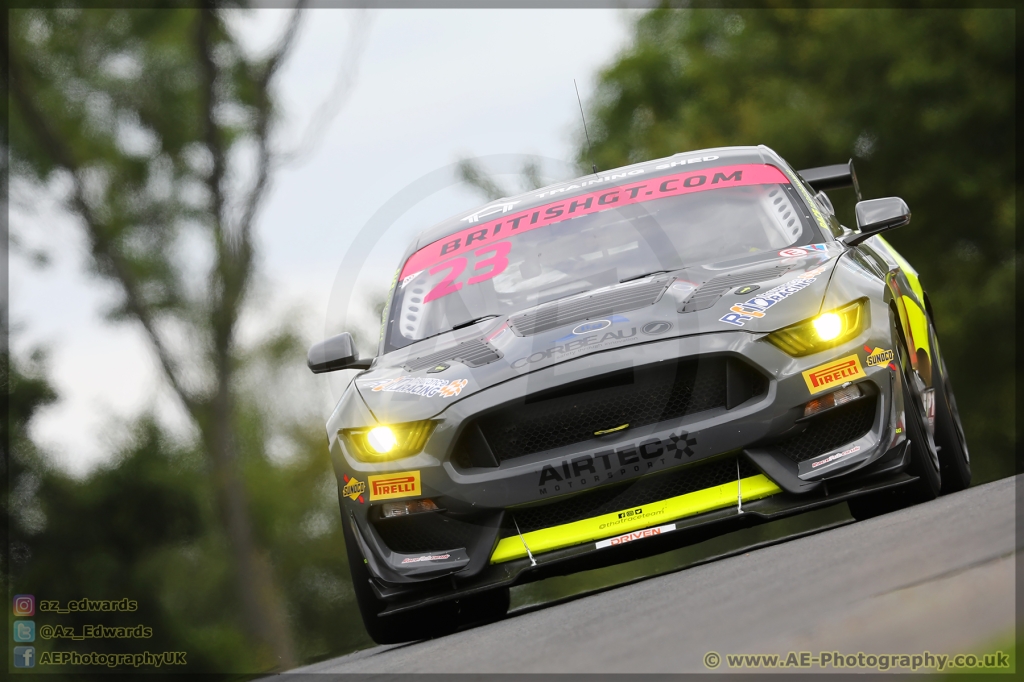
[626, 363]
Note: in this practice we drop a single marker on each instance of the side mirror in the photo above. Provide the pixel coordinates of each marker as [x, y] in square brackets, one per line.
[337, 352]
[878, 215]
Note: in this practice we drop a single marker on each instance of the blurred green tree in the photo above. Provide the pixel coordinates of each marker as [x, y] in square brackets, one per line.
[154, 125]
[144, 526]
[922, 99]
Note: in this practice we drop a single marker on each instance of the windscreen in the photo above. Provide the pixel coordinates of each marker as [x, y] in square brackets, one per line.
[585, 242]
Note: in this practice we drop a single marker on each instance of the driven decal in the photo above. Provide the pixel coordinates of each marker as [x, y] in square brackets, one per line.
[757, 306]
[609, 464]
[833, 373]
[430, 557]
[637, 535]
[838, 455]
[878, 357]
[489, 233]
[389, 486]
[422, 386]
[354, 489]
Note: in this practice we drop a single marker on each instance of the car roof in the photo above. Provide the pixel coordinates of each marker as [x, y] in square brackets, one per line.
[588, 183]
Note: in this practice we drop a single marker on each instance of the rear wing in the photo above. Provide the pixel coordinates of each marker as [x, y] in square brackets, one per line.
[825, 178]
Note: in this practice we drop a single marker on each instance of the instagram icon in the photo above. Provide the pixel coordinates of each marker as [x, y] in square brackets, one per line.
[24, 605]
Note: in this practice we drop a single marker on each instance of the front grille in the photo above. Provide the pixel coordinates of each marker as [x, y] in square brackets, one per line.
[629, 495]
[637, 396]
[709, 293]
[425, 533]
[473, 353]
[569, 311]
[832, 429]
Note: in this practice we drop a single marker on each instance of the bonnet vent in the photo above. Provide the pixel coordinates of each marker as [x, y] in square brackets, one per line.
[569, 311]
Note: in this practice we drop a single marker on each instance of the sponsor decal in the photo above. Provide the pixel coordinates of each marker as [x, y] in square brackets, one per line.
[354, 489]
[608, 464]
[453, 388]
[426, 387]
[817, 247]
[599, 325]
[749, 289]
[879, 356]
[390, 486]
[431, 557]
[833, 373]
[683, 162]
[656, 327]
[636, 535]
[490, 210]
[587, 327]
[511, 223]
[565, 347]
[757, 306]
[792, 253]
[838, 455]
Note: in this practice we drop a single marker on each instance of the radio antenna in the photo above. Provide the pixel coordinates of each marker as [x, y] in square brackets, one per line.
[590, 152]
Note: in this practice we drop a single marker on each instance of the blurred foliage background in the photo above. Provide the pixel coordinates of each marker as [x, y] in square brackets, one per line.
[235, 555]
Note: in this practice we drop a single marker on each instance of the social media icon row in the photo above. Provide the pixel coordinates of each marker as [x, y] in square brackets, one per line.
[24, 605]
[24, 631]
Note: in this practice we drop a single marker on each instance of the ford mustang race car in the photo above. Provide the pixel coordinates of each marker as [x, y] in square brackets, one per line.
[626, 363]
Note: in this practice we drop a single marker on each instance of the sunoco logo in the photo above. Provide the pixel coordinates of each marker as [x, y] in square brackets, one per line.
[588, 327]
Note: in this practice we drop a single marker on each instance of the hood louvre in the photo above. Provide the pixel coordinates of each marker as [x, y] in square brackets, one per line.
[565, 312]
[473, 353]
[708, 293]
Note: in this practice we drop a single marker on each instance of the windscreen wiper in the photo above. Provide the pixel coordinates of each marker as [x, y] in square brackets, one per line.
[470, 323]
[646, 274]
[458, 326]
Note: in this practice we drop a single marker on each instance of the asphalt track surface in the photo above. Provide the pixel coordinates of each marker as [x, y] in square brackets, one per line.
[938, 577]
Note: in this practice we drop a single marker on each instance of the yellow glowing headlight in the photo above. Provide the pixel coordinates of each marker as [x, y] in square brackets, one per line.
[822, 332]
[828, 326]
[386, 443]
[381, 439]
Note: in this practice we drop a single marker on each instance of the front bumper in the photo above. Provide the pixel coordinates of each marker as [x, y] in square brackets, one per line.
[574, 496]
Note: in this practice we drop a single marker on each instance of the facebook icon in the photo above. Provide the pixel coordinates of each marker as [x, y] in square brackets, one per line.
[24, 657]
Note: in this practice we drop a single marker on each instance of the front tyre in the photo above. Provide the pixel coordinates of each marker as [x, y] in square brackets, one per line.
[949, 436]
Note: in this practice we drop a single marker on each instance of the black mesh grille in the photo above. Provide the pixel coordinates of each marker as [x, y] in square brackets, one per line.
[425, 533]
[473, 353]
[709, 293]
[565, 312]
[629, 495]
[830, 430]
[638, 397]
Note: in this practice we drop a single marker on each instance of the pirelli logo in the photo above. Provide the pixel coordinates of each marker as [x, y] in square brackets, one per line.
[833, 373]
[389, 486]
